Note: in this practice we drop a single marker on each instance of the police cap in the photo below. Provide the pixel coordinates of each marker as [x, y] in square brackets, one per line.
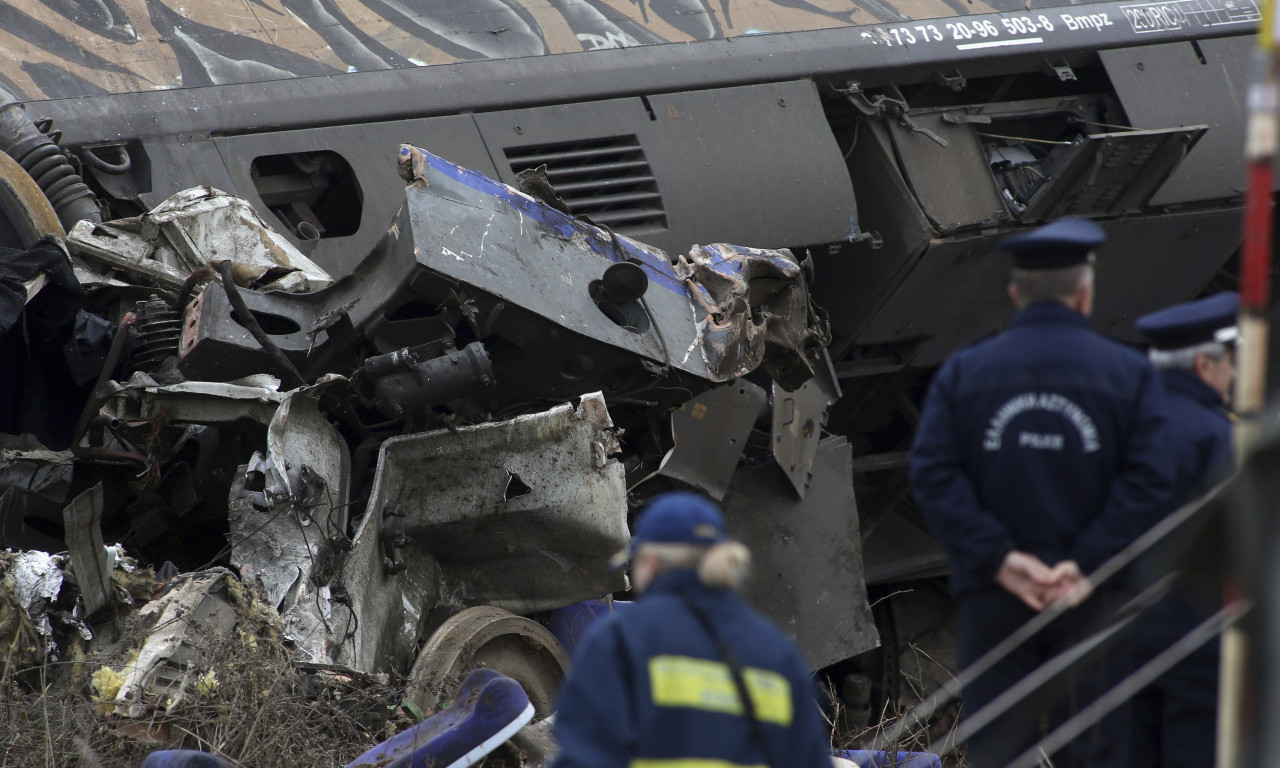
[676, 517]
[1193, 322]
[1063, 243]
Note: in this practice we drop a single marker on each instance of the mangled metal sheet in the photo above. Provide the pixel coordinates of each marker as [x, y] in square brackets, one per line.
[33, 480]
[807, 574]
[197, 402]
[194, 228]
[289, 512]
[520, 514]
[710, 433]
[188, 619]
[543, 275]
[91, 561]
[755, 310]
[798, 418]
[35, 579]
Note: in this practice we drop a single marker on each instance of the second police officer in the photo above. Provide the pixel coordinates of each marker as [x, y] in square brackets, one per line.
[1038, 456]
[1174, 719]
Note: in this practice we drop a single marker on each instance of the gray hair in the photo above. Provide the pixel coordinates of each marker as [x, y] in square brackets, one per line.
[1035, 285]
[720, 566]
[1184, 359]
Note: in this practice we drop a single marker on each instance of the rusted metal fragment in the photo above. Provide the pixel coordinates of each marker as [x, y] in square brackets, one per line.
[520, 514]
[195, 228]
[756, 310]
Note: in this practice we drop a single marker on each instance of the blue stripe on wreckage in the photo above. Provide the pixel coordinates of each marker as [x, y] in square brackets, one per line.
[656, 265]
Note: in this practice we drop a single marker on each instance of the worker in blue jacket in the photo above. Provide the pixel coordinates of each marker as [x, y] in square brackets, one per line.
[1038, 457]
[1175, 718]
[659, 685]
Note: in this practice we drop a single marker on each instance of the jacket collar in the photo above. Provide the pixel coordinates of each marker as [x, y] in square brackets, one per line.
[1189, 385]
[1050, 312]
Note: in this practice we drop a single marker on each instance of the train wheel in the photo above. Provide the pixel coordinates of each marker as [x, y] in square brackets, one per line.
[25, 213]
[490, 637]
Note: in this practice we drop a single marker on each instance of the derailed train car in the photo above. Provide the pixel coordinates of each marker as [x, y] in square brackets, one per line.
[887, 146]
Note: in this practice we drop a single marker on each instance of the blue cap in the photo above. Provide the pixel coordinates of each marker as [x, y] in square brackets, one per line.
[1193, 322]
[676, 517]
[1063, 243]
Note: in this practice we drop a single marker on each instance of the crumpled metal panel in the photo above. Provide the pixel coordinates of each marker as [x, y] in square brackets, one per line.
[319, 328]
[198, 402]
[90, 558]
[36, 579]
[520, 514]
[807, 554]
[710, 432]
[717, 315]
[190, 616]
[194, 228]
[756, 309]
[283, 538]
[798, 418]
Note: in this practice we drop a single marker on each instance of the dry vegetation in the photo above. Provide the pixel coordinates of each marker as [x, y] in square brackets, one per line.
[247, 704]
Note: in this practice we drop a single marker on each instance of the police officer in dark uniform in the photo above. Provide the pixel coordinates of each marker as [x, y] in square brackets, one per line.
[660, 685]
[1037, 458]
[1175, 718]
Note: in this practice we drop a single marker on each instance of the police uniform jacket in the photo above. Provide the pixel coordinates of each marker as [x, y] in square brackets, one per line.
[1044, 439]
[648, 688]
[1199, 434]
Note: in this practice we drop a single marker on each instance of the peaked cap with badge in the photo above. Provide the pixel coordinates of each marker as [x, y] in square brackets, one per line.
[1192, 323]
[1060, 244]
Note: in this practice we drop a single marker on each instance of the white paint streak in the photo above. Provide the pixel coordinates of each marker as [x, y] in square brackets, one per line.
[697, 337]
[1000, 43]
[486, 232]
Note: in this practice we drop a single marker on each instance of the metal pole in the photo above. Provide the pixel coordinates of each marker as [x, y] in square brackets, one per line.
[1260, 151]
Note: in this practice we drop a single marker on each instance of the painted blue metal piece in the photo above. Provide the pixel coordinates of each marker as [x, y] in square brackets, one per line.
[716, 313]
[656, 263]
[184, 758]
[488, 710]
[868, 759]
[571, 623]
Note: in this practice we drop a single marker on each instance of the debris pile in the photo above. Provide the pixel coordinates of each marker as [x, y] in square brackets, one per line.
[194, 663]
[394, 475]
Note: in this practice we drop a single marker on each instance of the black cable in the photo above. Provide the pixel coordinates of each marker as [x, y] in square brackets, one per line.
[250, 323]
[735, 670]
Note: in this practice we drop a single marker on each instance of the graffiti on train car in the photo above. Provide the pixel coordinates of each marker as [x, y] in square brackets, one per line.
[60, 49]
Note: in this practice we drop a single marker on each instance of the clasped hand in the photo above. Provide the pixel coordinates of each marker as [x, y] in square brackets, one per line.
[1038, 585]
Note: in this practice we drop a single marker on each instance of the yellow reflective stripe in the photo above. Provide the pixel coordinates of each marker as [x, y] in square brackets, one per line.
[687, 762]
[682, 681]
[770, 695]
